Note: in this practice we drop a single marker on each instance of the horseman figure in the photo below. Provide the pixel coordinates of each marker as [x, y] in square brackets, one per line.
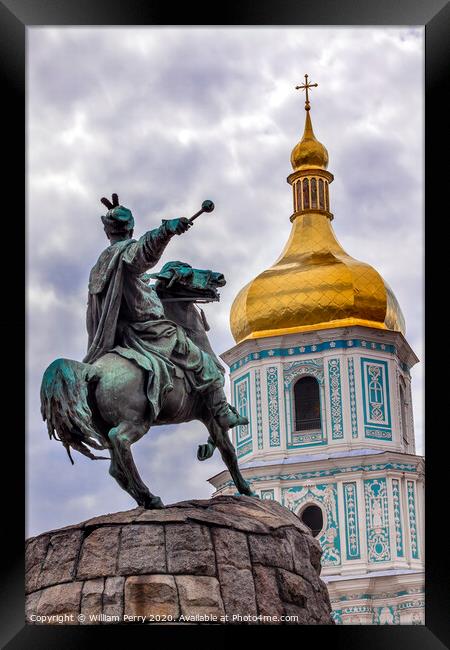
[149, 361]
[126, 316]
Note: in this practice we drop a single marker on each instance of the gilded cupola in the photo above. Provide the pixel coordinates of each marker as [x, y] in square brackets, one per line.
[314, 284]
[309, 153]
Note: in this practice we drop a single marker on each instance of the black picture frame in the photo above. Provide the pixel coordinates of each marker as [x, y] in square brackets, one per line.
[15, 17]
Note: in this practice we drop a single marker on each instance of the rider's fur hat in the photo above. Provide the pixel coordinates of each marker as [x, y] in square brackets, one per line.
[118, 218]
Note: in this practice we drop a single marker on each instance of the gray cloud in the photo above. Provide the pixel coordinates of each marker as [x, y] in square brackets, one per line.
[168, 117]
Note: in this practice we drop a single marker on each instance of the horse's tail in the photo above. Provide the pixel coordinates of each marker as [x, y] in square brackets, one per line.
[65, 407]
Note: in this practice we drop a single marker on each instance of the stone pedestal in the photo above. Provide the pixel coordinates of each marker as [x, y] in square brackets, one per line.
[225, 560]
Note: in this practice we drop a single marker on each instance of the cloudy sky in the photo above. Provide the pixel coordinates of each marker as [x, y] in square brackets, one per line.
[167, 118]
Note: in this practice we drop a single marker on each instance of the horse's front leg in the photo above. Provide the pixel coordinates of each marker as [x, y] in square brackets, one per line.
[206, 450]
[123, 467]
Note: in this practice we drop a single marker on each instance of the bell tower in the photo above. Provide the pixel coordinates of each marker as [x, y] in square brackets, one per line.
[321, 367]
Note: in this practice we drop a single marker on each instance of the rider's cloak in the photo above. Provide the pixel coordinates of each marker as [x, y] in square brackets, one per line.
[126, 316]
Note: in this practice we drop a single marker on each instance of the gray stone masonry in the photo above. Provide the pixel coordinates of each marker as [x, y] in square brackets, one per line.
[225, 560]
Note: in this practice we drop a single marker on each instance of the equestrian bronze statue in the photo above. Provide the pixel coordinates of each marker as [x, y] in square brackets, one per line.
[149, 361]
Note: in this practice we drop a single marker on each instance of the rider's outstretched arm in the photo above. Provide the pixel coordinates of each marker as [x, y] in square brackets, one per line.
[144, 253]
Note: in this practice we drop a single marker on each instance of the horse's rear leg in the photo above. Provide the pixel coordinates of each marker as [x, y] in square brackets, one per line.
[123, 468]
[227, 451]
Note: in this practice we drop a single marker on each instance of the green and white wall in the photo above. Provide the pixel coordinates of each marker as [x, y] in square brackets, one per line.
[359, 467]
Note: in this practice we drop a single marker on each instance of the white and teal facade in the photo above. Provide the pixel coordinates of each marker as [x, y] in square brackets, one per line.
[357, 463]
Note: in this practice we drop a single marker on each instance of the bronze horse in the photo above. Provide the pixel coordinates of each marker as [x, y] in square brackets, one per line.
[103, 405]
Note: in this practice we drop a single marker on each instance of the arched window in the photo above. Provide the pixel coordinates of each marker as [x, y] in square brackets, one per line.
[298, 196]
[307, 404]
[402, 388]
[305, 193]
[312, 516]
[313, 193]
[321, 195]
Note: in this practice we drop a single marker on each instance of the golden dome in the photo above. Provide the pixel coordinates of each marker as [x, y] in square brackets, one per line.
[309, 153]
[314, 284]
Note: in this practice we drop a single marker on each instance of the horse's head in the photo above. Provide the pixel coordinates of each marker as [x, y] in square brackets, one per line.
[178, 280]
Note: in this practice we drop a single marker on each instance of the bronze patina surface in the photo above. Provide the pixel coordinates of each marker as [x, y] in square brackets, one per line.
[149, 361]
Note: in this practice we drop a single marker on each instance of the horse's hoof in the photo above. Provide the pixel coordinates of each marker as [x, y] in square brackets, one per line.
[248, 492]
[205, 451]
[153, 503]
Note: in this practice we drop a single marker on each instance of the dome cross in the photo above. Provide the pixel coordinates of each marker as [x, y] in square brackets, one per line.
[306, 86]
